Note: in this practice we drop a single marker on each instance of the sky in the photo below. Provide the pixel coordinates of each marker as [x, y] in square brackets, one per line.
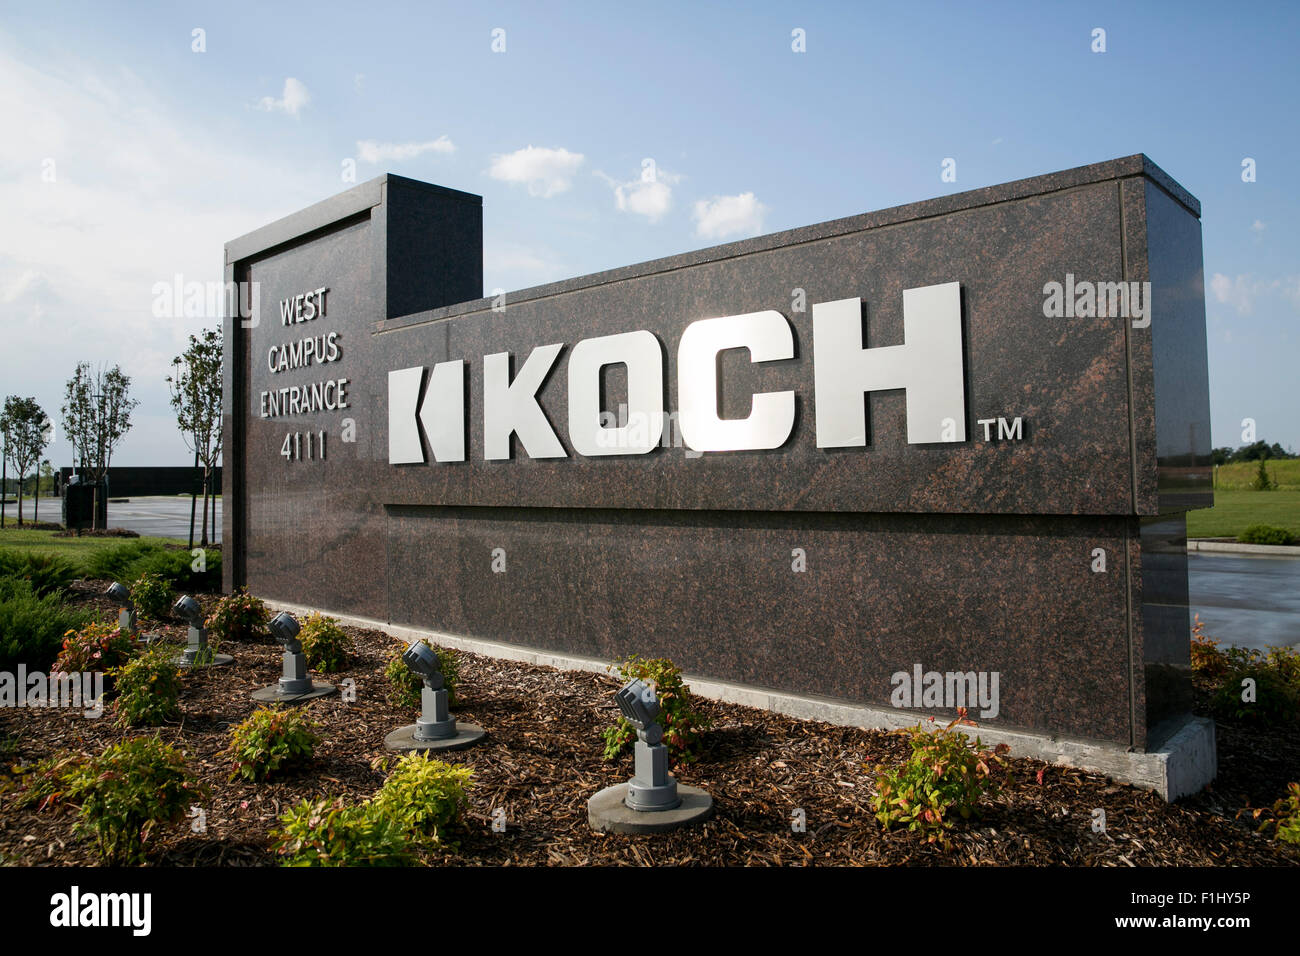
[139, 138]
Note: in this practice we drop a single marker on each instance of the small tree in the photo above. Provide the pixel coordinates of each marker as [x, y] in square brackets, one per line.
[25, 425]
[1261, 482]
[196, 398]
[96, 415]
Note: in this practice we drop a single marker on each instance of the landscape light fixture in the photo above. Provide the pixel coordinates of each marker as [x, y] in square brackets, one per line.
[196, 647]
[652, 801]
[435, 729]
[294, 685]
[120, 595]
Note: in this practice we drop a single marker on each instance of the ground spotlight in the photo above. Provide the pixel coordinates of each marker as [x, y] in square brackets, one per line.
[120, 595]
[196, 647]
[652, 801]
[435, 729]
[294, 685]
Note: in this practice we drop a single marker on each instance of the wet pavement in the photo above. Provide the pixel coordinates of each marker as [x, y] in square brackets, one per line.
[1246, 600]
[163, 517]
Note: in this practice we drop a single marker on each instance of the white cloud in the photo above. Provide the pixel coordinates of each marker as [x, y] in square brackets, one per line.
[371, 151]
[294, 98]
[649, 195]
[141, 191]
[545, 171]
[1258, 226]
[1244, 291]
[724, 216]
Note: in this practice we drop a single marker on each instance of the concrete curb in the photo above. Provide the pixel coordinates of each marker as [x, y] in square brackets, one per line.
[1233, 547]
[1186, 763]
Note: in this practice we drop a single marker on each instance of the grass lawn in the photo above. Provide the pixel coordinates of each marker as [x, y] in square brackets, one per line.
[1234, 511]
[1238, 476]
[74, 549]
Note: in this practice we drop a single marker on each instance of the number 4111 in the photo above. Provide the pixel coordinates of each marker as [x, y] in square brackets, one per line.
[293, 447]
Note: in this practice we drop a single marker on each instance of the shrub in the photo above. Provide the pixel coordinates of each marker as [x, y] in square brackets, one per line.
[176, 567]
[269, 741]
[1265, 534]
[945, 774]
[1207, 660]
[151, 596]
[1286, 661]
[95, 647]
[128, 791]
[1277, 700]
[127, 561]
[404, 685]
[47, 573]
[683, 726]
[239, 617]
[116, 562]
[32, 628]
[1285, 822]
[326, 646]
[327, 833]
[148, 688]
[1262, 481]
[426, 796]
[43, 784]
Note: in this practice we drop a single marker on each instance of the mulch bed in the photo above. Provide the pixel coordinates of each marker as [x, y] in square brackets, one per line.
[542, 761]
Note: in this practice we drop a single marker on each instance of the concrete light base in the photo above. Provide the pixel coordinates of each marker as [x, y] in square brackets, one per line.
[404, 739]
[607, 811]
[272, 695]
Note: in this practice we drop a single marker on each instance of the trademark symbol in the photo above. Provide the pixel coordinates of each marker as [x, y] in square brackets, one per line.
[1012, 430]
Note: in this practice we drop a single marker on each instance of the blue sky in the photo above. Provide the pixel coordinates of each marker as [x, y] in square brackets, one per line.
[129, 158]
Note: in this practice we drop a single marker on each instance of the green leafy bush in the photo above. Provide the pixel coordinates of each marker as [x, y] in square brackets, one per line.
[127, 792]
[150, 595]
[404, 685]
[1277, 699]
[148, 688]
[95, 647]
[117, 562]
[1284, 817]
[42, 784]
[1266, 534]
[127, 561]
[683, 725]
[326, 646]
[239, 617]
[945, 775]
[269, 741]
[426, 796]
[47, 573]
[328, 833]
[32, 628]
[176, 567]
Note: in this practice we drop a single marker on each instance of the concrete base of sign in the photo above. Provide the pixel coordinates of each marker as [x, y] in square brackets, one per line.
[217, 661]
[1185, 764]
[607, 811]
[272, 695]
[404, 739]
